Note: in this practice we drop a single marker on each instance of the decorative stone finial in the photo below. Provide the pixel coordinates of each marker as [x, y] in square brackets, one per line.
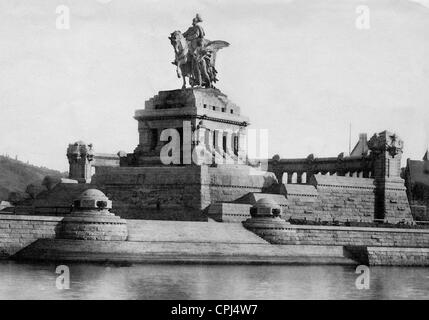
[276, 157]
[80, 149]
[386, 141]
[310, 157]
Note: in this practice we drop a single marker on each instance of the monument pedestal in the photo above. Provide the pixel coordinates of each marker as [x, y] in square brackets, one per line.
[219, 120]
[177, 192]
[145, 187]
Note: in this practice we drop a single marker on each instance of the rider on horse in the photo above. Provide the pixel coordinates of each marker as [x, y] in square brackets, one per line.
[195, 55]
[200, 58]
[195, 34]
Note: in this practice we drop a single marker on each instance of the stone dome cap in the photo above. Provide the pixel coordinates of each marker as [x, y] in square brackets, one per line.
[92, 199]
[92, 193]
[265, 207]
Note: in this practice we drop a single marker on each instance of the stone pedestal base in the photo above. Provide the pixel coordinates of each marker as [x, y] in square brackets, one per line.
[266, 223]
[269, 228]
[90, 226]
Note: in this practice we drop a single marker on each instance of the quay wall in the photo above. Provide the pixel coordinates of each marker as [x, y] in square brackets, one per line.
[18, 231]
[345, 236]
[385, 256]
[372, 246]
[294, 244]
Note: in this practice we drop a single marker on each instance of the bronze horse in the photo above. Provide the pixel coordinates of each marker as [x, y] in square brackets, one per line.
[198, 67]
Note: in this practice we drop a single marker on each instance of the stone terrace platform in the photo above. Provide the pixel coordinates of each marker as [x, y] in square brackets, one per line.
[152, 241]
[35, 238]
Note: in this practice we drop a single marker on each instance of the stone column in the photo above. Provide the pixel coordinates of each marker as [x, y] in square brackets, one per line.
[242, 145]
[391, 199]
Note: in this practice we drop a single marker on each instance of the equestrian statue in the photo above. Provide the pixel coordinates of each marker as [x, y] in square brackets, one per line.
[195, 55]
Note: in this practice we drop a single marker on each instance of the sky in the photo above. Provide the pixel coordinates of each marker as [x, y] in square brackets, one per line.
[304, 70]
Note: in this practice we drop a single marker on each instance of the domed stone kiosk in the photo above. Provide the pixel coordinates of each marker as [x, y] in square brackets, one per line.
[91, 219]
[265, 214]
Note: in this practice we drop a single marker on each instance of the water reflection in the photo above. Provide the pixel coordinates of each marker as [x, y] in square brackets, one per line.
[91, 281]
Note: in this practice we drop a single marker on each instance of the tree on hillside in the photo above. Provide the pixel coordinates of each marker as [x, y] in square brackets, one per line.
[33, 190]
[16, 197]
[50, 182]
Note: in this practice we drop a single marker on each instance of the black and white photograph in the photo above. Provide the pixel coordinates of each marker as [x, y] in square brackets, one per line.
[215, 154]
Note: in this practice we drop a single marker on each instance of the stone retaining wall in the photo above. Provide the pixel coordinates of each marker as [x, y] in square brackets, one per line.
[18, 231]
[382, 256]
[373, 246]
[165, 193]
[176, 193]
[346, 236]
[382, 246]
[331, 198]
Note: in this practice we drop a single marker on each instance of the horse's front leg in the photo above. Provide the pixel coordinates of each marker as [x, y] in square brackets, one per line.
[200, 80]
[184, 82]
[178, 69]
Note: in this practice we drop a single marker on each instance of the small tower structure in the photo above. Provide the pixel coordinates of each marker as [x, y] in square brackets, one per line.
[80, 156]
[391, 199]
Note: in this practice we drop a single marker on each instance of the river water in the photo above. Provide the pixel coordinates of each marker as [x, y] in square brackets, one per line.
[95, 281]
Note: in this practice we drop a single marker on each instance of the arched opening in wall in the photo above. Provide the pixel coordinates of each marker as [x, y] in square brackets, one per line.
[235, 144]
[284, 178]
[214, 141]
[180, 130]
[294, 177]
[304, 178]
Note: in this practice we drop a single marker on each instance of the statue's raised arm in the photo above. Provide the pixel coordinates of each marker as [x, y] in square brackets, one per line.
[195, 55]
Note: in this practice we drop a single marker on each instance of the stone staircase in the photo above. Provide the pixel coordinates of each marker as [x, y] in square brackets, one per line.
[184, 231]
